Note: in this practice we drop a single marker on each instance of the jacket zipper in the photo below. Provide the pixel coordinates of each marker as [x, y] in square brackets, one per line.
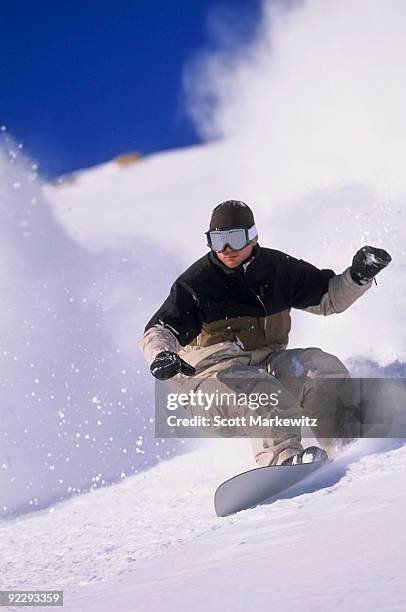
[263, 306]
[257, 296]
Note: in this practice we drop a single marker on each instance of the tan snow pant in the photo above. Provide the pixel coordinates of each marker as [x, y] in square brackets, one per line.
[307, 381]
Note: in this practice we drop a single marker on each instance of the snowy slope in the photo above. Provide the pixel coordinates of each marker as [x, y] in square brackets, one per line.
[87, 265]
[341, 546]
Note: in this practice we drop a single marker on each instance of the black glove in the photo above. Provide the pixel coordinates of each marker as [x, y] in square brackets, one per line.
[367, 262]
[168, 364]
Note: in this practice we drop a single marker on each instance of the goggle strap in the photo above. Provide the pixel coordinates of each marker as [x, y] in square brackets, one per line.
[252, 232]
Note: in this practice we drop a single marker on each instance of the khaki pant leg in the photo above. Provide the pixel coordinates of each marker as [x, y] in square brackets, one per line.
[270, 445]
[318, 380]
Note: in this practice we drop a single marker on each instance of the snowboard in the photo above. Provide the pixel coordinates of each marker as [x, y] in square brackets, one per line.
[260, 485]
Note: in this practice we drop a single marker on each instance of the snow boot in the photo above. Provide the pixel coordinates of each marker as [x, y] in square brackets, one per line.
[314, 453]
[311, 454]
[293, 460]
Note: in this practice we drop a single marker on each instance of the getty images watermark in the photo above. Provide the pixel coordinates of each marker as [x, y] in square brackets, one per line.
[229, 410]
[240, 407]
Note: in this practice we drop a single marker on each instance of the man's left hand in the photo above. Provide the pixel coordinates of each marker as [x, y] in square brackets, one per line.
[367, 262]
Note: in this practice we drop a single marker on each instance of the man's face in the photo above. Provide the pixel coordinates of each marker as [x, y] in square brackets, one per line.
[233, 259]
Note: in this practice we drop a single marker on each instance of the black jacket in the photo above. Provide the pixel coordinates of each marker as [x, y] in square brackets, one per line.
[210, 293]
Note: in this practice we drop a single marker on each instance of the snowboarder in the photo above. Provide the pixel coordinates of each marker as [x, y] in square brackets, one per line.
[228, 315]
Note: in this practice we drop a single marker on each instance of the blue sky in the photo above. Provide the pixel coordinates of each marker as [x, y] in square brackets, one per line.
[85, 81]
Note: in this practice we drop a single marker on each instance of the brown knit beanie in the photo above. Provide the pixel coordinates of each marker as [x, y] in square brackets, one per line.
[232, 214]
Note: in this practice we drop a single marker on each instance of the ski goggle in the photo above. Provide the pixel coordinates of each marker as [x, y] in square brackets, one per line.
[236, 239]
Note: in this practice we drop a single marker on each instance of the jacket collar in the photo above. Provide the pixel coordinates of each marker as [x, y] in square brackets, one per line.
[234, 272]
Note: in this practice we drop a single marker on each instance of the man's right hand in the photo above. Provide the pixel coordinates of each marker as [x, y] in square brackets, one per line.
[168, 364]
